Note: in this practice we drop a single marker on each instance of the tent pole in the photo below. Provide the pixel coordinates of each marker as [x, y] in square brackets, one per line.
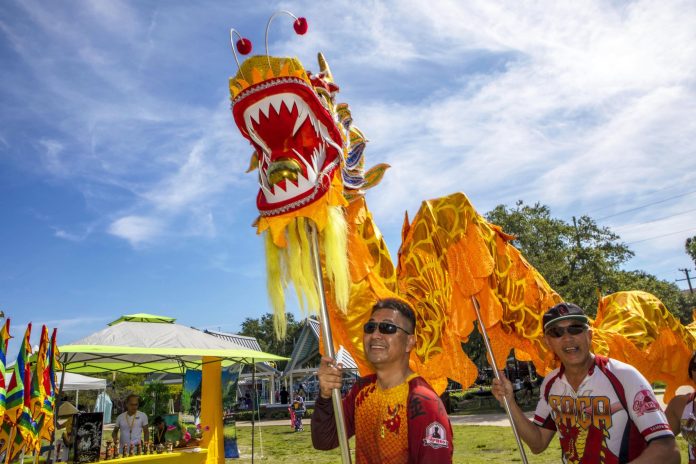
[253, 383]
[486, 341]
[327, 340]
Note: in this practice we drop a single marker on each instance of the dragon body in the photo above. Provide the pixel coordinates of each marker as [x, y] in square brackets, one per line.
[310, 161]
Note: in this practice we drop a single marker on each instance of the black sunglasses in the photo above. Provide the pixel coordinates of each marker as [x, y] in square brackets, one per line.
[385, 328]
[558, 332]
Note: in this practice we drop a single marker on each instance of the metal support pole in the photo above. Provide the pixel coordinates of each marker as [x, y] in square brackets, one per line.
[328, 345]
[494, 365]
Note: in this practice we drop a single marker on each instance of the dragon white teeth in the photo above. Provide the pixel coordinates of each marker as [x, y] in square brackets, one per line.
[301, 118]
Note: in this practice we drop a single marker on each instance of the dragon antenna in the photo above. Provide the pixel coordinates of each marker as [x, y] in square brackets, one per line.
[300, 26]
[243, 46]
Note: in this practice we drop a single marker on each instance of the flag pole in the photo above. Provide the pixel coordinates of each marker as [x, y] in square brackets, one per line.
[10, 443]
[494, 365]
[327, 340]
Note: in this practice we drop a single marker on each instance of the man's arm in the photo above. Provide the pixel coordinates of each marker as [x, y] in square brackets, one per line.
[674, 411]
[146, 430]
[114, 434]
[537, 438]
[323, 422]
[663, 450]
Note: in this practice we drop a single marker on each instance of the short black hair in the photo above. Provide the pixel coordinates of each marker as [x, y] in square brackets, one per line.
[401, 306]
[158, 420]
[133, 395]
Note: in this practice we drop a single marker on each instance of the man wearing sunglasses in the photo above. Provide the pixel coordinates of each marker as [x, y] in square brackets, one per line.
[604, 410]
[395, 415]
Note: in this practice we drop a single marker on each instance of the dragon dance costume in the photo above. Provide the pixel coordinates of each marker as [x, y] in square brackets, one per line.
[312, 182]
[403, 424]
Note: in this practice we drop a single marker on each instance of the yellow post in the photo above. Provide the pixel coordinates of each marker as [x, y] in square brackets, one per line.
[211, 410]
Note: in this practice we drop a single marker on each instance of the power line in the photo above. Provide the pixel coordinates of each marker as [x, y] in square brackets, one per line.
[654, 220]
[648, 204]
[660, 236]
[688, 279]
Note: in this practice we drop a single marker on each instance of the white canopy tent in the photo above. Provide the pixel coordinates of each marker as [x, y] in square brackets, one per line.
[78, 382]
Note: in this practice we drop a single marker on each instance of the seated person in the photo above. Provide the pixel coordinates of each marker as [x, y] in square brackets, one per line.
[159, 429]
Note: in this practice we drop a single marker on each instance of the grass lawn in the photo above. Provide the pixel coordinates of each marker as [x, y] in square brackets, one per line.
[472, 444]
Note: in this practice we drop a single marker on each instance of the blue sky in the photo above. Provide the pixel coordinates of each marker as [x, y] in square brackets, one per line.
[122, 184]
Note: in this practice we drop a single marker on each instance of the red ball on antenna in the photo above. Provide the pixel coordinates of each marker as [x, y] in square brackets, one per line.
[300, 25]
[244, 46]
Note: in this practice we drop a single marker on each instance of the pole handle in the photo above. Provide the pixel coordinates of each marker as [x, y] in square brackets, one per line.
[494, 365]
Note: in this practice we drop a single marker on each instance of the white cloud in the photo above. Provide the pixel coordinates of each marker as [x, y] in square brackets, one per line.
[136, 229]
[53, 149]
[581, 105]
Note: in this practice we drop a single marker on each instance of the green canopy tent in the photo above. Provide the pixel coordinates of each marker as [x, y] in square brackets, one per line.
[142, 343]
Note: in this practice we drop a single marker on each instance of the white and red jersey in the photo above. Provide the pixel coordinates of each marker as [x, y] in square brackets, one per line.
[611, 417]
[688, 416]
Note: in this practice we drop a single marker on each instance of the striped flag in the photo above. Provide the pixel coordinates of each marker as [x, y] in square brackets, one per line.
[4, 339]
[15, 391]
[40, 385]
[17, 410]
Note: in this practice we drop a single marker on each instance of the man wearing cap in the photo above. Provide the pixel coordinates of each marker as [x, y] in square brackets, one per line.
[395, 415]
[604, 410]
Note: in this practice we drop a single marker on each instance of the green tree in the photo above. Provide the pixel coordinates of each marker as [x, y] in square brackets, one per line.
[690, 246]
[577, 259]
[262, 330]
[155, 399]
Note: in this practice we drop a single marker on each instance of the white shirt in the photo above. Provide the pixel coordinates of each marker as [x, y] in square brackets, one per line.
[610, 414]
[130, 428]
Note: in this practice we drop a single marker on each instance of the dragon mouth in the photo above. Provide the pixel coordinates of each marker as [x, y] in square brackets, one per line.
[297, 142]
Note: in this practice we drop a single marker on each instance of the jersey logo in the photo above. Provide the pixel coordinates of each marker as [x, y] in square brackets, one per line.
[435, 436]
[645, 402]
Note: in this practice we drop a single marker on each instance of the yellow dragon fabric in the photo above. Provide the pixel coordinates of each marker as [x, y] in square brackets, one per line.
[311, 164]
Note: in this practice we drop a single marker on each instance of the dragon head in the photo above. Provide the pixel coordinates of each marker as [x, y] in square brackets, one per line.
[287, 116]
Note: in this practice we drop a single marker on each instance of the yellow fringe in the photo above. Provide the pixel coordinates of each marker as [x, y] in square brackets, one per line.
[293, 263]
[275, 285]
[311, 293]
[336, 256]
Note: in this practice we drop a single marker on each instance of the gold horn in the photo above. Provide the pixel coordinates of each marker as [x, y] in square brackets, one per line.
[324, 67]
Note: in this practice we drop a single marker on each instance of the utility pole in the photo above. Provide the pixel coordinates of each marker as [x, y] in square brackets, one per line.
[688, 279]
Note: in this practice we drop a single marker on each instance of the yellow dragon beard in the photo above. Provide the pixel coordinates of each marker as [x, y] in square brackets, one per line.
[294, 263]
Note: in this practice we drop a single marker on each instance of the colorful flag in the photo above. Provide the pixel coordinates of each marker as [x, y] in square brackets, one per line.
[21, 376]
[6, 430]
[47, 427]
[18, 412]
[40, 385]
[4, 339]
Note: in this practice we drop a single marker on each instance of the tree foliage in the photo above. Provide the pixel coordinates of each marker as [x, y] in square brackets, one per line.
[690, 246]
[580, 259]
[155, 399]
[262, 330]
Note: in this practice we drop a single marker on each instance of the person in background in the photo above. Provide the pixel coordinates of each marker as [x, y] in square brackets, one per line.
[159, 430]
[681, 414]
[284, 396]
[131, 425]
[298, 406]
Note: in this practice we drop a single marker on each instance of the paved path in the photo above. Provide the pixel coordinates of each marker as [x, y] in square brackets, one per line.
[495, 419]
[498, 419]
